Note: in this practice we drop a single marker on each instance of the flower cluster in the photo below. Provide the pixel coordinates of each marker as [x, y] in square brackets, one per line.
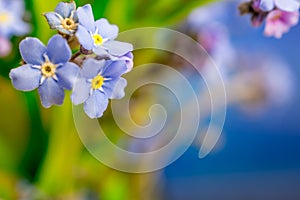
[93, 72]
[208, 23]
[11, 23]
[280, 15]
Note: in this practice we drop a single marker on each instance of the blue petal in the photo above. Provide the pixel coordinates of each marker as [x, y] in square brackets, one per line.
[32, 51]
[114, 68]
[100, 51]
[16, 7]
[86, 17]
[109, 85]
[91, 68]
[75, 17]
[21, 29]
[81, 91]
[117, 48]
[67, 75]
[267, 5]
[51, 93]
[25, 78]
[128, 58]
[53, 19]
[106, 30]
[287, 5]
[96, 104]
[129, 55]
[65, 9]
[58, 50]
[85, 39]
[5, 31]
[118, 91]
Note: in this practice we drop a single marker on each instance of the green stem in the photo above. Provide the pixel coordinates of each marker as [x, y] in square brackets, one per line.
[57, 175]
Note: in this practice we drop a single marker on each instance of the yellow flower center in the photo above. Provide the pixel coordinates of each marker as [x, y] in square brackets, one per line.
[4, 17]
[48, 69]
[68, 24]
[98, 40]
[97, 82]
[277, 16]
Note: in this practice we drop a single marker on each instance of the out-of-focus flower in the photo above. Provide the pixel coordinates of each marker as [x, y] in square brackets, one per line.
[261, 83]
[210, 36]
[5, 46]
[279, 22]
[280, 15]
[258, 18]
[215, 39]
[203, 15]
[285, 5]
[97, 82]
[208, 24]
[99, 35]
[11, 22]
[46, 68]
[253, 8]
[64, 19]
[279, 80]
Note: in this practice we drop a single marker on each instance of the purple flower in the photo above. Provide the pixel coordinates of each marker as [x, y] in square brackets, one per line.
[5, 47]
[279, 22]
[46, 68]
[285, 5]
[11, 22]
[64, 19]
[128, 58]
[99, 35]
[255, 4]
[257, 18]
[97, 82]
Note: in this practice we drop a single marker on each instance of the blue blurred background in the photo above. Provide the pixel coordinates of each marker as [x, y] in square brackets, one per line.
[260, 155]
[257, 156]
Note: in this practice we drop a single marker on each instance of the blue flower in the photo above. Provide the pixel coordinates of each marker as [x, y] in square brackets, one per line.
[46, 68]
[128, 58]
[97, 82]
[285, 5]
[99, 36]
[11, 22]
[64, 19]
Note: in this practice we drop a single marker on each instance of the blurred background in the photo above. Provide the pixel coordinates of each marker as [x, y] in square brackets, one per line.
[256, 157]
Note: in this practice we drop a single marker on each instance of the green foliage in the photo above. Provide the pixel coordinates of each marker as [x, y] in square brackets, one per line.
[138, 13]
[24, 146]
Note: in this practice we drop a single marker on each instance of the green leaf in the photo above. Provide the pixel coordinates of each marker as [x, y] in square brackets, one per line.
[134, 13]
[56, 175]
[39, 7]
[14, 127]
[7, 185]
[99, 7]
[116, 187]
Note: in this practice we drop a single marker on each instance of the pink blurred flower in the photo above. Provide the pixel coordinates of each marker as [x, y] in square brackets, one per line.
[279, 22]
[5, 47]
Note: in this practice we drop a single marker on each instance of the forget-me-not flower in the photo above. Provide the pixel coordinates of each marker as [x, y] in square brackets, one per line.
[99, 35]
[279, 22]
[11, 18]
[285, 5]
[47, 68]
[64, 19]
[128, 58]
[97, 82]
